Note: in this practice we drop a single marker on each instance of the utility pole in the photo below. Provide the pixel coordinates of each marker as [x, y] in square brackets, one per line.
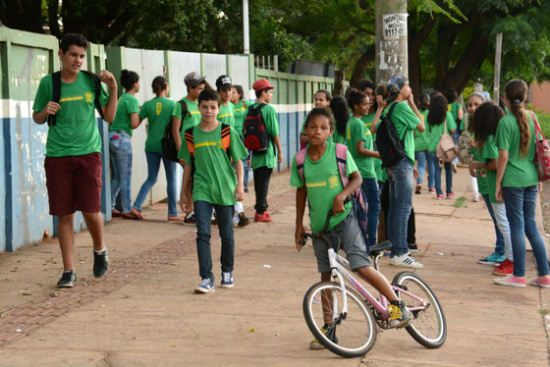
[246, 33]
[391, 39]
[498, 57]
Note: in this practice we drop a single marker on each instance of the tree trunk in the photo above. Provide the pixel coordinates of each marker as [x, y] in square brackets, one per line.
[361, 66]
[339, 76]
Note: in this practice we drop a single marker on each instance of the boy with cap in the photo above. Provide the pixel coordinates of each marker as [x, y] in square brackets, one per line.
[263, 164]
[73, 151]
[195, 85]
[224, 86]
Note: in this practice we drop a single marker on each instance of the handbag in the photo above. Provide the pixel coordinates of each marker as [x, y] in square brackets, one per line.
[542, 152]
[464, 140]
[446, 150]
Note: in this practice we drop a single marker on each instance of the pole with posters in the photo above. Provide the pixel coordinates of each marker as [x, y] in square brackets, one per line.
[498, 54]
[391, 39]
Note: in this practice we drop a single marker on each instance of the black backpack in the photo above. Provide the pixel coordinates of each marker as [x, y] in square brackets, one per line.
[56, 93]
[256, 135]
[169, 148]
[391, 149]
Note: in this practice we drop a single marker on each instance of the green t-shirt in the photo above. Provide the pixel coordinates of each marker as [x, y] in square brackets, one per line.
[127, 104]
[226, 115]
[75, 132]
[520, 170]
[453, 109]
[323, 183]
[268, 159]
[214, 180]
[490, 151]
[158, 112]
[405, 120]
[239, 114]
[356, 132]
[367, 120]
[338, 138]
[192, 119]
[437, 130]
[422, 139]
[481, 180]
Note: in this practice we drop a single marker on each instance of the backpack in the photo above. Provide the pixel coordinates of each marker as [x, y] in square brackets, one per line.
[56, 93]
[390, 147]
[169, 148]
[189, 138]
[446, 150]
[358, 197]
[256, 135]
[464, 155]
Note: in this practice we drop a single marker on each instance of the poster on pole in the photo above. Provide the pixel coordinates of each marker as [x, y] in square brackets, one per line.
[394, 25]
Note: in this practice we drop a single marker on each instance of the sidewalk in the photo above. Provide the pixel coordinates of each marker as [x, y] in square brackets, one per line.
[144, 312]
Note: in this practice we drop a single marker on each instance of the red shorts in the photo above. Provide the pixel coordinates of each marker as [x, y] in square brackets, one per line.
[74, 183]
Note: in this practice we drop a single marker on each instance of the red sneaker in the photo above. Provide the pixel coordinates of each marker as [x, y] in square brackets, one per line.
[504, 263]
[541, 282]
[451, 195]
[504, 269]
[265, 217]
[511, 281]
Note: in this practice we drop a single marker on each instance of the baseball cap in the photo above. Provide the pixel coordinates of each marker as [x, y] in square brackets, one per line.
[193, 79]
[261, 84]
[396, 83]
[223, 81]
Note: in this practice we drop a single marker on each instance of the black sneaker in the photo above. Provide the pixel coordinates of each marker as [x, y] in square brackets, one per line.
[399, 314]
[101, 263]
[243, 220]
[67, 279]
[413, 247]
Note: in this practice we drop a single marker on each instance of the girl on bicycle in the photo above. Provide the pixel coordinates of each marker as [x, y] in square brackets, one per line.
[517, 184]
[326, 192]
[158, 112]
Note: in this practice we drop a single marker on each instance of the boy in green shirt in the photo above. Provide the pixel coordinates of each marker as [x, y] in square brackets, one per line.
[73, 152]
[241, 107]
[214, 187]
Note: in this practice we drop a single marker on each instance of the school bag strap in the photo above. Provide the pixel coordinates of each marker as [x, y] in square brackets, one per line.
[226, 140]
[56, 93]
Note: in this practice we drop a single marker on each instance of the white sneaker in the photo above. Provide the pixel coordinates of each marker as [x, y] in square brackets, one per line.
[476, 197]
[405, 260]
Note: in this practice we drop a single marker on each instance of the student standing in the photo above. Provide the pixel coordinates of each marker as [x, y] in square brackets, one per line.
[239, 113]
[321, 98]
[421, 145]
[517, 183]
[158, 112]
[215, 186]
[73, 152]
[263, 164]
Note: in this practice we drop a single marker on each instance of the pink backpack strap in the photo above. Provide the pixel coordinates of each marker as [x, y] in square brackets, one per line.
[300, 160]
[341, 159]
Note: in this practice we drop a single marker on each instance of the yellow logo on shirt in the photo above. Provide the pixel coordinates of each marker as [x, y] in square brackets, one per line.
[333, 181]
[159, 108]
[89, 97]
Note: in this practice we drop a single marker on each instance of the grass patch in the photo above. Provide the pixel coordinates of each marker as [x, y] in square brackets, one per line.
[460, 201]
[543, 311]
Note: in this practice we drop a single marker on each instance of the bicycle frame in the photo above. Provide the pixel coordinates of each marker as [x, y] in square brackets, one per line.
[339, 268]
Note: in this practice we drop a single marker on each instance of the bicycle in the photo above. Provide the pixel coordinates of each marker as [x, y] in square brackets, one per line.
[355, 312]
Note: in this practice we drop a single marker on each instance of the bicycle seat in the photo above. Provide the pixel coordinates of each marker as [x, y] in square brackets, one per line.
[380, 247]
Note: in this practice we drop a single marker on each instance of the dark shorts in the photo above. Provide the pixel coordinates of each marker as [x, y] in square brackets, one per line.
[74, 183]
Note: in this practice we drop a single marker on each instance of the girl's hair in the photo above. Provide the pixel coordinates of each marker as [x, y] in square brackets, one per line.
[516, 92]
[470, 126]
[485, 122]
[434, 93]
[451, 95]
[128, 79]
[478, 95]
[340, 110]
[320, 111]
[210, 95]
[366, 83]
[159, 84]
[240, 91]
[438, 110]
[424, 102]
[354, 97]
[328, 96]
[381, 90]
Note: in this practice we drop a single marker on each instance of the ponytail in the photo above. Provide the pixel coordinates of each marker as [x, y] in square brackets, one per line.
[340, 110]
[516, 93]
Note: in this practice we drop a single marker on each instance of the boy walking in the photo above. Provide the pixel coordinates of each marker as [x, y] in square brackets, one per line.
[73, 151]
[208, 154]
[263, 164]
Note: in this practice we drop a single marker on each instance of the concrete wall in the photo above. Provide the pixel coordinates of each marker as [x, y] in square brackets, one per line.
[540, 96]
[25, 58]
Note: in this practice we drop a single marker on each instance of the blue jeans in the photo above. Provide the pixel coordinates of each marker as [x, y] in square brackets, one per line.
[499, 246]
[422, 157]
[120, 149]
[437, 174]
[372, 195]
[400, 183]
[521, 205]
[203, 215]
[153, 165]
[431, 171]
[246, 169]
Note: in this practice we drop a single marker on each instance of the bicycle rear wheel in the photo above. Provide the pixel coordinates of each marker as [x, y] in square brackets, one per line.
[428, 327]
[354, 334]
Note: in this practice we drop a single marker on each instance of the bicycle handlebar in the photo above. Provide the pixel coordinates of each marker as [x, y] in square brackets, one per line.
[323, 231]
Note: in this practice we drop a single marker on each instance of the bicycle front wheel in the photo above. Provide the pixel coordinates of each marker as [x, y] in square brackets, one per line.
[349, 335]
[428, 327]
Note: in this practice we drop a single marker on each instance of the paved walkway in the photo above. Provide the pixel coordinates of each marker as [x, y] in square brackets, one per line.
[144, 312]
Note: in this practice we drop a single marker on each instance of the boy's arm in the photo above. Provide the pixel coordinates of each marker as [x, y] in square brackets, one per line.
[185, 205]
[176, 130]
[381, 102]
[301, 196]
[50, 109]
[279, 150]
[239, 190]
[135, 120]
[354, 183]
[109, 110]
